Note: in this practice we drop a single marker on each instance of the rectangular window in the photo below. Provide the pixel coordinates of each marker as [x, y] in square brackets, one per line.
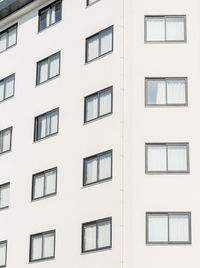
[3, 253]
[50, 15]
[98, 104]
[166, 91]
[90, 2]
[165, 28]
[166, 158]
[168, 228]
[7, 87]
[48, 68]
[99, 44]
[44, 183]
[5, 140]
[97, 235]
[98, 168]
[46, 124]
[8, 38]
[42, 246]
[4, 195]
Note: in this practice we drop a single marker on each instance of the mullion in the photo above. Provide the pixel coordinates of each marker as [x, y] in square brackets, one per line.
[99, 39]
[168, 226]
[44, 191]
[1, 141]
[48, 67]
[7, 39]
[4, 88]
[46, 115]
[42, 246]
[165, 29]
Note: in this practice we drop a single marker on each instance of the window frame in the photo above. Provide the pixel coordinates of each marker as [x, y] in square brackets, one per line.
[99, 48]
[88, 4]
[33, 184]
[167, 144]
[165, 17]
[45, 8]
[3, 80]
[165, 79]
[48, 59]
[1, 185]
[35, 135]
[96, 222]
[169, 242]
[7, 31]
[4, 242]
[97, 156]
[1, 143]
[98, 93]
[42, 234]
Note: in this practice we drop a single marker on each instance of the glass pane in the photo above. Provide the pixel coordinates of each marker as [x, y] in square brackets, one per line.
[2, 254]
[91, 170]
[91, 2]
[176, 92]
[54, 122]
[155, 29]
[54, 65]
[105, 166]
[42, 71]
[177, 158]
[50, 182]
[92, 47]
[42, 127]
[89, 237]
[6, 140]
[157, 228]
[91, 107]
[36, 247]
[48, 248]
[156, 158]
[175, 29]
[56, 13]
[9, 86]
[4, 195]
[12, 37]
[105, 102]
[3, 41]
[44, 19]
[1, 90]
[178, 228]
[106, 41]
[38, 190]
[156, 92]
[104, 234]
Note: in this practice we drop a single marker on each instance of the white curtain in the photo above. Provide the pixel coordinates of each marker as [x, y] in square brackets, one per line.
[38, 186]
[36, 247]
[48, 247]
[175, 29]
[105, 166]
[178, 228]
[50, 186]
[9, 86]
[177, 158]
[12, 37]
[3, 40]
[157, 228]
[42, 126]
[91, 170]
[48, 17]
[6, 140]
[89, 237]
[53, 14]
[105, 102]
[2, 254]
[54, 65]
[1, 91]
[155, 29]
[92, 48]
[156, 92]
[43, 71]
[104, 234]
[176, 91]
[4, 196]
[106, 41]
[157, 158]
[91, 107]
[54, 122]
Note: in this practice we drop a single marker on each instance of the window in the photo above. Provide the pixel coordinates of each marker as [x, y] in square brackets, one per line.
[48, 68]
[46, 124]
[50, 15]
[42, 246]
[98, 104]
[44, 183]
[97, 235]
[98, 168]
[99, 44]
[4, 195]
[166, 91]
[3, 253]
[165, 29]
[168, 228]
[7, 87]
[90, 2]
[5, 140]
[166, 158]
[8, 38]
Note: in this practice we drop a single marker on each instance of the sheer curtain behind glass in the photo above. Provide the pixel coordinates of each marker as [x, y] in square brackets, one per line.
[54, 122]
[42, 71]
[53, 14]
[103, 234]
[91, 170]
[177, 158]
[106, 41]
[105, 166]
[157, 228]
[156, 92]
[91, 107]
[105, 102]
[9, 86]
[48, 246]
[155, 29]
[1, 90]
[38, 186]
[6, 140]
[4, 195]
[54, 65]
[12, 36]
[36, 247]
[178, 228]
[3, 41]
[176, 92]
[156, 158]
[89, 242]
[175, 30]
[50, 182]
[92, 48]
[2, 254]
[42, 121]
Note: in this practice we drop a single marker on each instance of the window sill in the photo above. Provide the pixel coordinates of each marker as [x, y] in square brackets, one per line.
[96, 250]
[166, 105]
[96, 183]
[98, 118]
[50, 26]
[43, 197]
[41, 260]
[166, 42]
[89, 5]
[44, 138]
[50, 79]
[98, 58]
[168, 243]
[167, 173]
[3, 51]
